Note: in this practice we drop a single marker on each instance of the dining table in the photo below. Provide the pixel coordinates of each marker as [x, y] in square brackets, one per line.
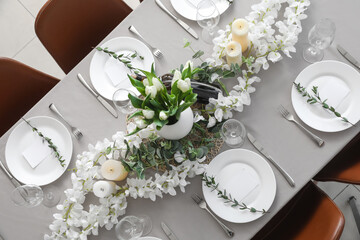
[289, 146]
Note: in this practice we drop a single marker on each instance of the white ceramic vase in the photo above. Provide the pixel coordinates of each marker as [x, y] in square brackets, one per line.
[179, 129]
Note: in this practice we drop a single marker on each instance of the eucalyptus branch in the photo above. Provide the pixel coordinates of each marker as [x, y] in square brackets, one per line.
[51, 145]
[125, 59]
[197, 54]
[210, 183]
[312, 99]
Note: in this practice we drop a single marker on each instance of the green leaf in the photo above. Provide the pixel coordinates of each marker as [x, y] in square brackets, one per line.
[136, 102]
[138, 85]
[137, 113]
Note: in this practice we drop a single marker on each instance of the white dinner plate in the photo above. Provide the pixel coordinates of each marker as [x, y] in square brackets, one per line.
[320, 74]
[226, 168]
[101, 80]
[187, 8]
[22, 137]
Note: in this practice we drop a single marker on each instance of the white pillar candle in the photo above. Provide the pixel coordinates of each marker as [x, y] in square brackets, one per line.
[233, 53]
[239, 30]
[103, 189]
[113, 170]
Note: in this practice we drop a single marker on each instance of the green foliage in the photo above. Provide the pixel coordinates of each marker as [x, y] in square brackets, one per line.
[211, 183]
[51, 145]
[312, 99]
[124, 59]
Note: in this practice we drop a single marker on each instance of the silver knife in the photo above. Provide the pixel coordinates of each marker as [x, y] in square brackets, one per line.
[179, 21]
[10, 176]
[261, 149]
[98, 97]
[347, 55]
[168, 232]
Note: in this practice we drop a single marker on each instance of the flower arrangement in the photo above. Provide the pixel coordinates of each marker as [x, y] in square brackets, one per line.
[159, 106]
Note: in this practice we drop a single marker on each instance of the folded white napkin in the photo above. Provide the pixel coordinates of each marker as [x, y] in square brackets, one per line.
[334, 91]
[243, 183]
[36, 152]
[117, 73]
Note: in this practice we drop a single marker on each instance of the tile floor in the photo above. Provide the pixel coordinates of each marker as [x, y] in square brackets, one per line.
[19, 41]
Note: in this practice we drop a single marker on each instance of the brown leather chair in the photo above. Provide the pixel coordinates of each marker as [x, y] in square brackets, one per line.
[311, 214]
[69, 29]
[21, 87]
[345, 166]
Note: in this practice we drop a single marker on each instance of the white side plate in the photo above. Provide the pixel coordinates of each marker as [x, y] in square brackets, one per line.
[100, 79]
[187, 8]
[320, 74]
[226, 167]
[21, 138]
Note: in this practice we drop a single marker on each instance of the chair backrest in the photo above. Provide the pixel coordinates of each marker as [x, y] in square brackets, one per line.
[21, 87]
[69, 29]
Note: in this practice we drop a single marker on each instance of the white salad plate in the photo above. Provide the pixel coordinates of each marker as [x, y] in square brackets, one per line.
[331, 77]
[22, 137]
[187, 8]
[247, 177]
[149, 238]
[99, 75]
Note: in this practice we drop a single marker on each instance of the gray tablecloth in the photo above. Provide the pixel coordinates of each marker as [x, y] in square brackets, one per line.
[291, 148]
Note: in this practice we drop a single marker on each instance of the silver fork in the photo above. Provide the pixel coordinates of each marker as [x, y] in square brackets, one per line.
[77, 133]
[157, 53]
[202, 204]
[285, 113]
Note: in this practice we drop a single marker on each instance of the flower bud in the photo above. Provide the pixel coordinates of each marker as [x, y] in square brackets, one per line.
[148, 114]
[151, 90]
[156, 82]
[177, 76]
[189, 64]
[146, 82]
[140, 123]
[183, 86]
[163, 115]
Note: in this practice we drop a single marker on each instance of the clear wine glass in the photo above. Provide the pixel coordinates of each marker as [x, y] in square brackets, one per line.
[208, 17]
[321, 35]
[27, 196]
[233, 132]
[122, 101]
[132, 227]
[32, 196]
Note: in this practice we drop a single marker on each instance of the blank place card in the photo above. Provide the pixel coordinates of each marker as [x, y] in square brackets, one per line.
[37, 152]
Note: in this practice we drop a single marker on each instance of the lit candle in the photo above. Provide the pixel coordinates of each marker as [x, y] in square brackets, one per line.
[113, 170]
[103, 189]
[233, 53]
[239, 30]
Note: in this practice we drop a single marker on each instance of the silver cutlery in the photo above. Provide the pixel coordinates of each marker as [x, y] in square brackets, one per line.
[168, 231]
[157, 53]
[287, 115]
[347, 55]
[202, 204]
[10, 176]
[179, 21]
[77, 133]
[261, 149]
[98, 97]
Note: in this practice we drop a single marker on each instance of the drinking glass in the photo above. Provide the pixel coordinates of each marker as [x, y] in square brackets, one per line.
[207, 16]
[132, 227]
[27, 196]
[233, 132]
[122, 101]
[321, 35]
[32, 195]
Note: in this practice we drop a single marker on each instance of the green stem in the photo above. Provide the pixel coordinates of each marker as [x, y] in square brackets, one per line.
[223, 86]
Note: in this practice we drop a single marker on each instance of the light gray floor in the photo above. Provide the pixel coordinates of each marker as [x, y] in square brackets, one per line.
[18, 40]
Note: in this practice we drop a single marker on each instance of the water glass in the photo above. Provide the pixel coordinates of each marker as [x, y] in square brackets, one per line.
[208, 17]
[320, 37]
[27, 196]
[122, 101]
[132, 227]
[233, 132]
